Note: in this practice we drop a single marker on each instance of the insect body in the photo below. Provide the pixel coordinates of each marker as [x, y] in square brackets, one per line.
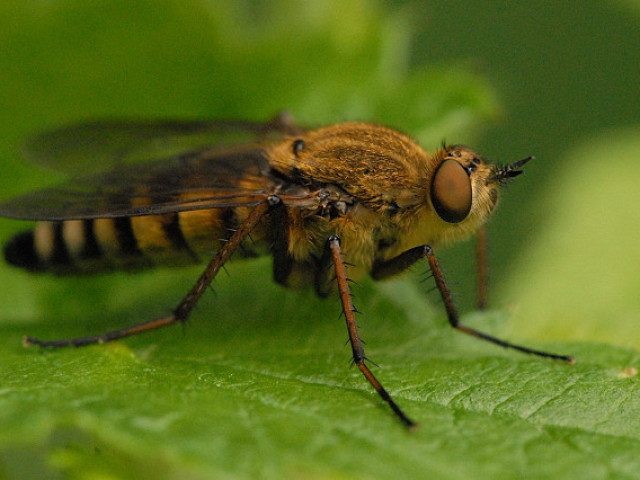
[352, 194]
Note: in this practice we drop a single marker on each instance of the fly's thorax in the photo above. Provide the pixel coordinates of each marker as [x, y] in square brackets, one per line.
[374, 164]
[380, 170]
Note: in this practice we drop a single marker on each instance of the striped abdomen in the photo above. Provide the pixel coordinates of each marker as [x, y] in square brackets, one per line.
[92, 245]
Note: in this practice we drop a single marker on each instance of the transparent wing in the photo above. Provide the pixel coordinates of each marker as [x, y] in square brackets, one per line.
[209, 178]
[92, 147]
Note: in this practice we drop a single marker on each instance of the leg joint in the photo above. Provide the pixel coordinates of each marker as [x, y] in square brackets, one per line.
[273, 200]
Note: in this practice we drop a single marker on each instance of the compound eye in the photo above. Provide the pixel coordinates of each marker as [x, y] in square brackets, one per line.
[451, 192]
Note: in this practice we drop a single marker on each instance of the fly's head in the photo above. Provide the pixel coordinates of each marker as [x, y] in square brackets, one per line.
[464, 187]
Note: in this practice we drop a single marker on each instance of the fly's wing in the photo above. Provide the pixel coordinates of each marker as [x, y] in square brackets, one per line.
[210, 178]
[94, 146]
[225, 175]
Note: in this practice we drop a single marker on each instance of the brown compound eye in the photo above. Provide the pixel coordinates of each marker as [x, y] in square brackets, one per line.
[451, 192]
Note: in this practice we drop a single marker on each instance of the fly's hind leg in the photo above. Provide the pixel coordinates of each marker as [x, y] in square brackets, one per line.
[352, 327]
[182, 311]
[408, 258]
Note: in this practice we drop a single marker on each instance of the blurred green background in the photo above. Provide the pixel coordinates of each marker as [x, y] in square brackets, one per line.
[558, 80]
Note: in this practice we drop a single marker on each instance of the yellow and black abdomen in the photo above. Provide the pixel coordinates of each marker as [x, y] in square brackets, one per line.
[129, 243]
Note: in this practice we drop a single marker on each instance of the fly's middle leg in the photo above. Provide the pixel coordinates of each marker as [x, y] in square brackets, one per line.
[352, 327]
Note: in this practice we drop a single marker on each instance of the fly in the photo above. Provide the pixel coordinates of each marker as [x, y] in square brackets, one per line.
[353, 196]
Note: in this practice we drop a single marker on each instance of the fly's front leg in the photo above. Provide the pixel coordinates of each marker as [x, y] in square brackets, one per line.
[352, 327]
[482, 268]
[182, 311]
[408, 258]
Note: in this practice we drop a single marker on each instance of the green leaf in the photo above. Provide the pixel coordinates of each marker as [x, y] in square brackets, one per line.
[582, 265]
[264, 388]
